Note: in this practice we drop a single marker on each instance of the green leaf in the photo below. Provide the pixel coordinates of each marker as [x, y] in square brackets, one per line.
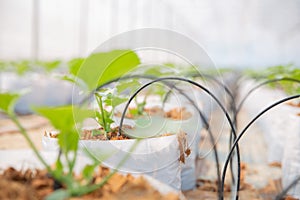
[68, 141]
[21, 67]
[73, 79]
[115, 101]
[50, 65]
[133, 85]
[66, 119]
[59, 195]
[74, 65]
[154, 71]
[134, 111]
[100, 68]
[88, 171]
[97, 132]
[7, 102]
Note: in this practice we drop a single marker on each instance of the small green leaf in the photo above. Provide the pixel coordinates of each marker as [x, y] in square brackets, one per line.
[155, 71]
[50, 65]
[21, 67]
[88, 171]
[134, 111]
[7, 102]
[115, 101]
[132, 85]
[59, 195]
[96, 132]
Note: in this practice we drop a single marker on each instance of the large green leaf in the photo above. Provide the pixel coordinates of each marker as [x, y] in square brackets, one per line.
[8, 101]
[66, 119]
[100, 68]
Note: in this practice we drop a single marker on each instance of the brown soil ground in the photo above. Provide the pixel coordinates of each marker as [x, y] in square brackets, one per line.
[35, 185]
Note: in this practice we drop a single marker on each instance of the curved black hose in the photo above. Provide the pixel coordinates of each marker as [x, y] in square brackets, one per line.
[209, 93]
[246, 128]
[262, 84]
[232, 108]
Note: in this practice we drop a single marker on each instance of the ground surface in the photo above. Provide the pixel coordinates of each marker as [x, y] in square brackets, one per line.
[259, 179]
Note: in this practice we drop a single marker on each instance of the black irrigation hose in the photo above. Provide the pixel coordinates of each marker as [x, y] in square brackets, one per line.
[232, 108]
[209, 93]
[227, 90]
[239, 107]
[285, 191]
[246, 128]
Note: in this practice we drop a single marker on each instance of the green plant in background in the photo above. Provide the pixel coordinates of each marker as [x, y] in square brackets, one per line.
[21, 67]
[278, 72]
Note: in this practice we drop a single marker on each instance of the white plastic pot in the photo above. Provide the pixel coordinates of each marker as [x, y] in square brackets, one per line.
[156, 157]
[191, 126]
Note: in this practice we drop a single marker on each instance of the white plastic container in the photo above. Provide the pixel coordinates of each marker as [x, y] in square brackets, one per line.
[156, 157]
[191, 126]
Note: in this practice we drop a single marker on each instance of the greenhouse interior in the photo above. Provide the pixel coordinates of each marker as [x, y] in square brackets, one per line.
[136, 99]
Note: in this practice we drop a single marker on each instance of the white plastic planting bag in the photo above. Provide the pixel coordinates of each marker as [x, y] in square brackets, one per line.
[156, 157]
[291, 159]
[191, 126]
[273, 125]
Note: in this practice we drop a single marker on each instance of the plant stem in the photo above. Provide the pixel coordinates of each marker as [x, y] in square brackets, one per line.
[99, 101]
[29, 141]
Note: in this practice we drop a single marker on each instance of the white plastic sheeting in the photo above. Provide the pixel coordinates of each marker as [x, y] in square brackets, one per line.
[234, 32]
[281, 129]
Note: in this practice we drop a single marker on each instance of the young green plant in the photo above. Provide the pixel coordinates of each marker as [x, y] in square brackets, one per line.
[107, 101]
